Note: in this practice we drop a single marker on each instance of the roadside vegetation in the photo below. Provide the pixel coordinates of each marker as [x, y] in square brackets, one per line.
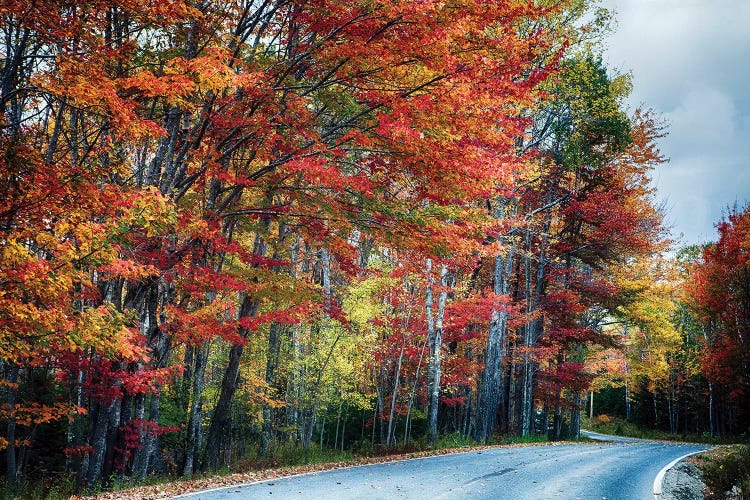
[725, 468]
[616, 426]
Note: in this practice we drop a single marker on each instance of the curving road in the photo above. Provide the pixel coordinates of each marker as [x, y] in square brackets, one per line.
[623, 468]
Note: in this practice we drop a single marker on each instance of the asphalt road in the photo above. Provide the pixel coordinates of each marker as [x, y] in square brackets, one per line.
[622, 469]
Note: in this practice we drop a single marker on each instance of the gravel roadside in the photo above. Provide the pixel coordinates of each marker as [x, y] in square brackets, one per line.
[684, 481]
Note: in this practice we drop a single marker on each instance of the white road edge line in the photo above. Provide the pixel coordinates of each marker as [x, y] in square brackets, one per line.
[659, 480]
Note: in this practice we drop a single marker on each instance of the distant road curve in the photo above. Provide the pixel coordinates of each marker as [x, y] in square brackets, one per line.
[615, 468]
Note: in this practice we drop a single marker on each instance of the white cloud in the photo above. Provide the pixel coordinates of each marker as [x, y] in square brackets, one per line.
[690, 61]
[704, 120]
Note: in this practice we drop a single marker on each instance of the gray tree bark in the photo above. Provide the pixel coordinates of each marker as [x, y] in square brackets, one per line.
[435, 337]
[220, 418]
[194, 427]
[490, 390]
[10, 452]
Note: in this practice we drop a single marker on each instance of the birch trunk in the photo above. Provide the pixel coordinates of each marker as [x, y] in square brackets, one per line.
[390, 438]
[434, 368]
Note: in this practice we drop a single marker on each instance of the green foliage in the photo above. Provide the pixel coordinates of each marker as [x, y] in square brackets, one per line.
[58, 489]
[289, 454]
[590, 126]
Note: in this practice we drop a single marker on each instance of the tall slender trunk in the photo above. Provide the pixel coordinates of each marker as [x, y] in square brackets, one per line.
[380, 410]
[390, 438]
[338, 423]
[295, 383]
[627, 386]
[75, 438]
[527, 398]
[322, 429]
[575, 417]
[221, 416]
[10, 452]
[195, 427]
[711, 424]
[272, 362]
[434, 367]
[415, 384]
[557, 420]
[343, 431]
[218, 428]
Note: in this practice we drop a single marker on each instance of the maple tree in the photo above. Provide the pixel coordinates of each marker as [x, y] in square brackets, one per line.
[717, 292]
[224, 224]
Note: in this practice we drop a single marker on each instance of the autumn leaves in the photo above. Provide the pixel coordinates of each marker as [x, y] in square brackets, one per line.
[216, 221]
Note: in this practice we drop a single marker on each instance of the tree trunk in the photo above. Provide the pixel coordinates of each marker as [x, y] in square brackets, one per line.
[99, 443]
[627, 384]
[575, 417]
[557, 421]
[436, 343]
[711, 425]
[194, 427]
[407, 424]
[10, 452]
[390, 438]
[272, 362]
[220, 418]
[490, 391]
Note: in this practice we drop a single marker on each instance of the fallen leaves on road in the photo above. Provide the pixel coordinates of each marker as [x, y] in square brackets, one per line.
[184, 486]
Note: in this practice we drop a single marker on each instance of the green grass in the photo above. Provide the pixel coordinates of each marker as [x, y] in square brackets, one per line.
[454, 440]
[52, 489]
[531, 438]
[289, 454]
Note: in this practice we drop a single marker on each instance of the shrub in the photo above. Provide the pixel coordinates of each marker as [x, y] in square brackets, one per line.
[728, 468]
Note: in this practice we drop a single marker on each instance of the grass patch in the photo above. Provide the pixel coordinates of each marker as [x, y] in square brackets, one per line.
[455, 440]
[531, 438]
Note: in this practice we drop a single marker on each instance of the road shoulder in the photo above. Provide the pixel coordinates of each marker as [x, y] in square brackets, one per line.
[683, 481]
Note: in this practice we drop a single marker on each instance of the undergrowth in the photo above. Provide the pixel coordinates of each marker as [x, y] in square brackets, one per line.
[604, 424]
[726, 467]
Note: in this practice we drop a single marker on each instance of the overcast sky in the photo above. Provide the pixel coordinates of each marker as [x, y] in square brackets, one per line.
[690, 61]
